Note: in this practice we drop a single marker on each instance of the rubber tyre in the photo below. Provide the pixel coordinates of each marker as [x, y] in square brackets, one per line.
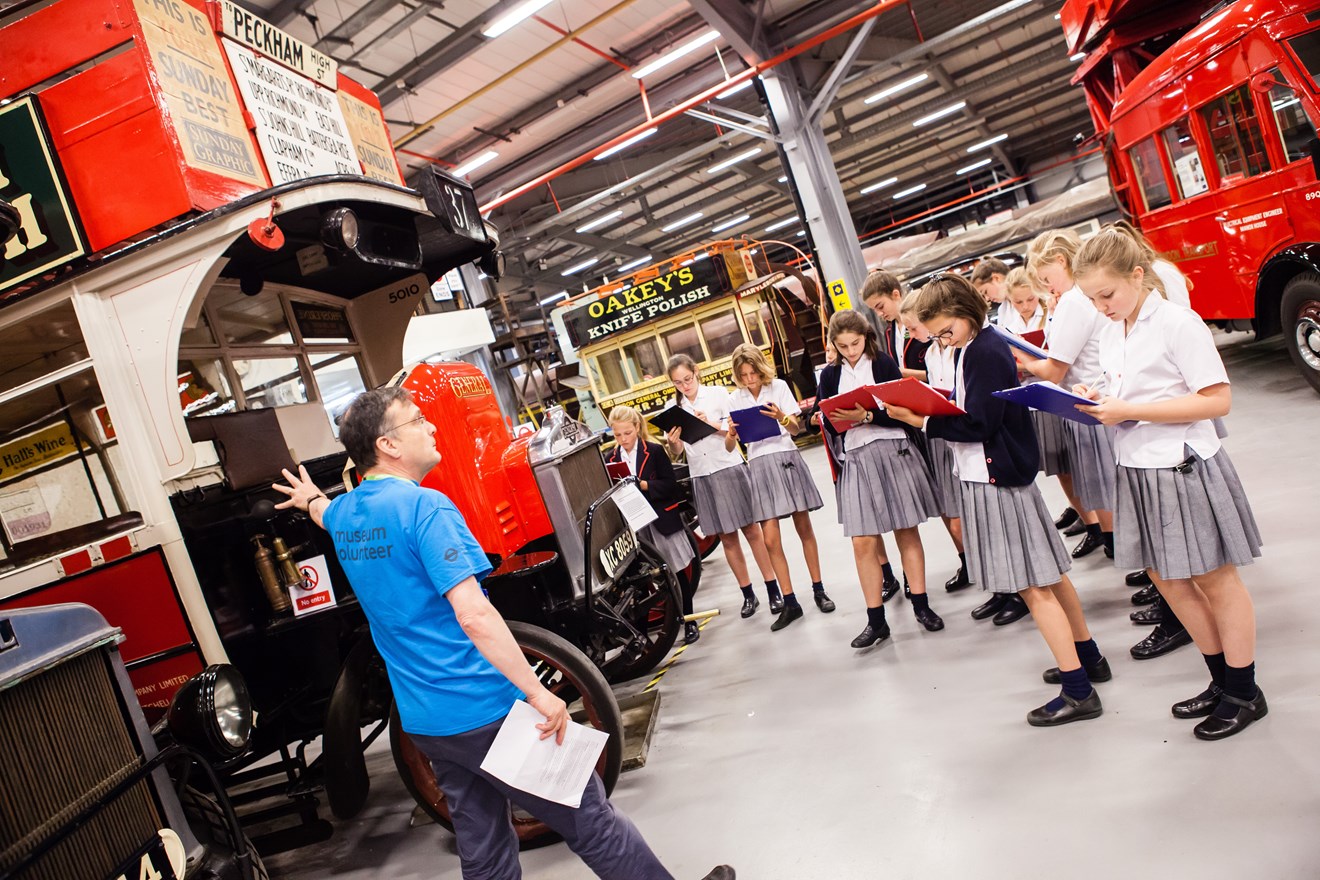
[664, 619]
[208, 825]
[1299, 316]
[565, 670]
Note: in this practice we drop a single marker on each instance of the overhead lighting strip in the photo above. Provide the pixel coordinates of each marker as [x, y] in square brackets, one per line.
[599, 221]
[676, 53]
[896, 88]
[939, 114]
[683, 221]
[733, 160]
[626, 144]
[514, 17]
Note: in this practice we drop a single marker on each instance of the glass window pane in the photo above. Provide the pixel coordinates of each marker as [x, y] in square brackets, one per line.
[42, 344]
[250, 320]
[1235, 136]
[723, 333]
[1150, 176]
[321, 323]
[684, 340]
[1294, 127]
[338, 381]
[198, 335]
[1188, 172]
[204, 387]
[1307, 48]
[270, 382]
[644, 359]
[607, 368]
[756, 318]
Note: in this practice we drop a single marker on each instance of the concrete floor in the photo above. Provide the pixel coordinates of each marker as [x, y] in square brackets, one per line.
[789, 755]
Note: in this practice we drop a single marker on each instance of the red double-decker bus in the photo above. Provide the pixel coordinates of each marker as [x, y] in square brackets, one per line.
[1208, 117]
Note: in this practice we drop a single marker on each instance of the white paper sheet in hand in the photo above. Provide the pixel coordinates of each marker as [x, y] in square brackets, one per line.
[558, 773]
[634, 506]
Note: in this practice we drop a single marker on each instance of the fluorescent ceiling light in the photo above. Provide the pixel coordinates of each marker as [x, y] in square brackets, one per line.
[704, 255]
[515, 15]
[733, 160]
[888, 181]
[802, 233]
[733, 90]
[626, 144]
[940, 114]
[556, 298]
[983, 144]
[599, 221]
[1078, 57]
[688, 262]
[676, 53]
[974, 166]
[783, 179]
[909, 191]
[728, 224]
[634, 264]
[788, 221]
[896, 88]
[682, 221]
[574, 269]
[474, 163]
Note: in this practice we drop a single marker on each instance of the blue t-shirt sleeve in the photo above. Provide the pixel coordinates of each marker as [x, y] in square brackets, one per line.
[447, 548]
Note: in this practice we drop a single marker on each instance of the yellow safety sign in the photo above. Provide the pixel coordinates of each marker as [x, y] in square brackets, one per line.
[839, 295]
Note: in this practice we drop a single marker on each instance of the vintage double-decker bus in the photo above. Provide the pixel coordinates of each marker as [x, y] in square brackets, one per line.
[1208, 114]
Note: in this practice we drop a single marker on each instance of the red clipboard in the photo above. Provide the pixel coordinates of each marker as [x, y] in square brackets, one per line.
[916, 396]
[847, 400]
[1035, 337]
[617, 469]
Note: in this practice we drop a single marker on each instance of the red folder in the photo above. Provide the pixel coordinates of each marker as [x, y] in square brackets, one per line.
[847, 400]
[617, 469]
[1035, 337]
[916, 396]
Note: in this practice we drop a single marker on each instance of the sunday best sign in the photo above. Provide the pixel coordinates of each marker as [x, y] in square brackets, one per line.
[628, 307]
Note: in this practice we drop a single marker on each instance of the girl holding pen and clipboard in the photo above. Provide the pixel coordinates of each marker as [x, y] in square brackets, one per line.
[721, 486]
[781, 484]
[1182, 514]
[1012, 546]
[885, 486]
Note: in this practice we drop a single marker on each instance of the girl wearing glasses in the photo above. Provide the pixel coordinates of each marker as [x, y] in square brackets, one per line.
[885, 486]
[721, 483]
[1012, 546]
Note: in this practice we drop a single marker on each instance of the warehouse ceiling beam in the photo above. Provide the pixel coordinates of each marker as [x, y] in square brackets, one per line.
[717, 119]
[830, 88]
[604, 245]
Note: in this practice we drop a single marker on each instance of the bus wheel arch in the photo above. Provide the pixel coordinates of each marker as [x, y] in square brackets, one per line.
[1300, 313]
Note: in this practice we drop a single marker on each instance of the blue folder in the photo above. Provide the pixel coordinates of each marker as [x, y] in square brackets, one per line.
[1050, 398]
[1019, 343]
[753, 424]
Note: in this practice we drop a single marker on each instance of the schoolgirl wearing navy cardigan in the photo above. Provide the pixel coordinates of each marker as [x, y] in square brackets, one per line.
[1009, 535]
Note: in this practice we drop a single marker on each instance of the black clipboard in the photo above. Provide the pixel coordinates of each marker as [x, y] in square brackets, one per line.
[694, 429]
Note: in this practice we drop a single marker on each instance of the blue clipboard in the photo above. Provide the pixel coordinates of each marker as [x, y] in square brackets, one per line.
[1050, 398]
[1020, 344]
[753, 424]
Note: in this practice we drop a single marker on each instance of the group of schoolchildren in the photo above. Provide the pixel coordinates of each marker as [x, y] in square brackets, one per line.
[1147, 480]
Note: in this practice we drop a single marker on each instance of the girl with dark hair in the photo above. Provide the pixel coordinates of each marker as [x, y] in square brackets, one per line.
[885, 485]
[721, 483]
[1011, 543]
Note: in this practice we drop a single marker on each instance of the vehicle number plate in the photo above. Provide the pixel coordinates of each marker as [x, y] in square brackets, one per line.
[622, 547]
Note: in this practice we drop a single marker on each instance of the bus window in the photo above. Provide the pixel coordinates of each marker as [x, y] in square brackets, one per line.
[204, 387]
[607, 371]
[1294, 128]
[339, 380]
[1235, 135]
[723, 333]
[271, 382]
[1187, 170]
[684, 340]
[249, 320]
[644, 359]
[755, 329]
[1307, 49]
[1150, 175]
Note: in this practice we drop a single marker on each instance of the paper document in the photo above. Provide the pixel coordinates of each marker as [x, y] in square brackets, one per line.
[559, 773]
[634, 506]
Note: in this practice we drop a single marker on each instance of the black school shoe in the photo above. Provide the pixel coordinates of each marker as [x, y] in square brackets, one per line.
[1200, 705]
[1161, 641]
[1146, 596]
[1137, 579]
[776, 603]
[928, 618]
[1248, 711]
[1087, 546]
[691, 632]
[959, 581]
[1150, 616]
[888, 589]
[1067, 518]
[1013, 610]
[1075, 529]
[787, 616]
[869, 636]
[823, 602]
[991, 607]
[1073, 710]
[1099, 672]
[750, 604]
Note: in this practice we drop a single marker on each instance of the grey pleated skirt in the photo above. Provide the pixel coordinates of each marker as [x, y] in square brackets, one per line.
[675, 549]
[1010, 539]
[1184, 524]
[1053, 443]
[782, 485]
[724, 500]
[1091, 457]
[885, 486]
[947, 484]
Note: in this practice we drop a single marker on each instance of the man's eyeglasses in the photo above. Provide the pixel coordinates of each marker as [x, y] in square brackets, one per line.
[400, 425]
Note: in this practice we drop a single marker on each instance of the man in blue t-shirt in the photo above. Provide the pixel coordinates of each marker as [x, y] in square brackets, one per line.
[455, 668]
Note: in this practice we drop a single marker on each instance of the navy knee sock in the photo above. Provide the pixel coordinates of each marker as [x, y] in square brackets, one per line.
[747, 592]
[1075, 685]
[1217, 666]
[772, 588]
[790, 600]
[920, 601]
[1094, 531]
[1088, 653]
[876, 617]
[1240, 682]
[817, 586]
[887, 569]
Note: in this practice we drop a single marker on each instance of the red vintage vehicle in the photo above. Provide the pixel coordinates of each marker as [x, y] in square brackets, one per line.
[1208, 117]
[190, 290]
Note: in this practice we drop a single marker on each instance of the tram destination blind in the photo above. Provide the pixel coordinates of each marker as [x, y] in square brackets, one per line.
[300, 124]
